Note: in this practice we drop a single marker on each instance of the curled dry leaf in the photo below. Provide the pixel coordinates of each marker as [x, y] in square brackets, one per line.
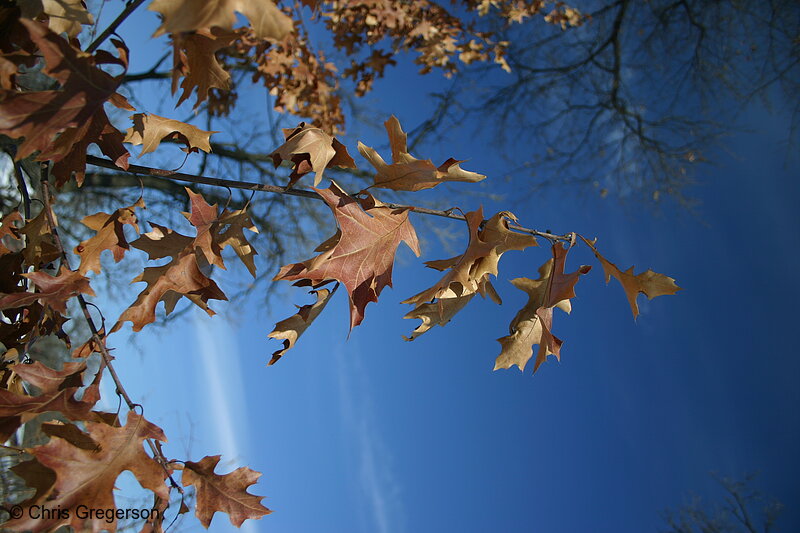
[465, 273]
[363, 256]
[40, 245]
[649, 283]
[310, 150]
[62, 15]
[87, 477]
[51, 290]
[9, 230]
[407, 173]
[224, 493]
[291, 328]
[110, 236]
[533, 323]
[267, 21]
[149, 130]
[195, 60]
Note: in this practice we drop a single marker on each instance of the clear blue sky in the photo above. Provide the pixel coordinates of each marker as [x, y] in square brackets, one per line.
[373, 434]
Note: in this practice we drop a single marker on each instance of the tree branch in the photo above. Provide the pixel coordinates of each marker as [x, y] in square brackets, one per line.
[261, 187]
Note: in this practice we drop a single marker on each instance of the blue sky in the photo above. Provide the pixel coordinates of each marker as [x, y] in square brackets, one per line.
[374, 434]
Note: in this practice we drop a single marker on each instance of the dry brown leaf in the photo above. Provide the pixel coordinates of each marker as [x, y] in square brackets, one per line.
[291, 328]
[267, 21]
[465, 273]
[363, 256]
[237, 221]
[9, 230]
[110, 236]
[407, 173]
[534, 322]
[310, 150]
[225, 493]
[62, 15]
[50, 290]
[195, 60]
[149, 130]
[649, 283]
[87, 477]
[438, 313]
[40, 245]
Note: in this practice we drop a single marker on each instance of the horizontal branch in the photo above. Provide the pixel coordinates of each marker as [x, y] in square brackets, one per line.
[262, 187]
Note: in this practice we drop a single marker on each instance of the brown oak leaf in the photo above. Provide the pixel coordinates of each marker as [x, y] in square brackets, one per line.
[363, 256]
[195, 60]
[267, 21]
[225, 493]
[311, 150]
[291, 328]
[407, 173]
[465, 273]
[40, 245]
[168, 283]
[87, 477]
[39, 116]
[149, 130]
[62, 15]
[235, 222]
[110, 236]
[649, 283]
[533, 323]
[51, 290]
[9, 230]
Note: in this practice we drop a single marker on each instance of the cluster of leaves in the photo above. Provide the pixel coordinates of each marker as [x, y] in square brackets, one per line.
[88, 448]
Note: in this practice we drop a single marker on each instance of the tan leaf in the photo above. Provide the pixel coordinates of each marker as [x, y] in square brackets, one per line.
[466, 272]
[149, 130]
[534, 322]
[9, 230]
[649, 283]
[194, 60]
[224, 493]
[110, 236]
[40, 245]
[267, 21]
[87, 477]
[438, 313]
[62, 15]
[50, 290]
[363, 257]
[291, 328]
[407, 173]
[237, 221]
[311, 150]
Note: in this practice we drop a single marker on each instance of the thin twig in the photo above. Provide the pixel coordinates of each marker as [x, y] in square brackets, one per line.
[130, 8]
[101, 347]
[250, 186]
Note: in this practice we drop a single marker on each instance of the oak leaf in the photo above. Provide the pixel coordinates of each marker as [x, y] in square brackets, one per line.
[51, 290]
[168, 283]
[533, 323]
[310, 150]
[267, 21]
[649, 283]
[235, 222]
[291, 328]
[39, 116]
[465, 273]
[57, 389]
[195, 60]
[407, 173]
[9, 230]
[437, 313]
[87, 477]
[149, 130]
[363, 256]
[110, 236]
[40, 245]
[62, 15]
[224, 493]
